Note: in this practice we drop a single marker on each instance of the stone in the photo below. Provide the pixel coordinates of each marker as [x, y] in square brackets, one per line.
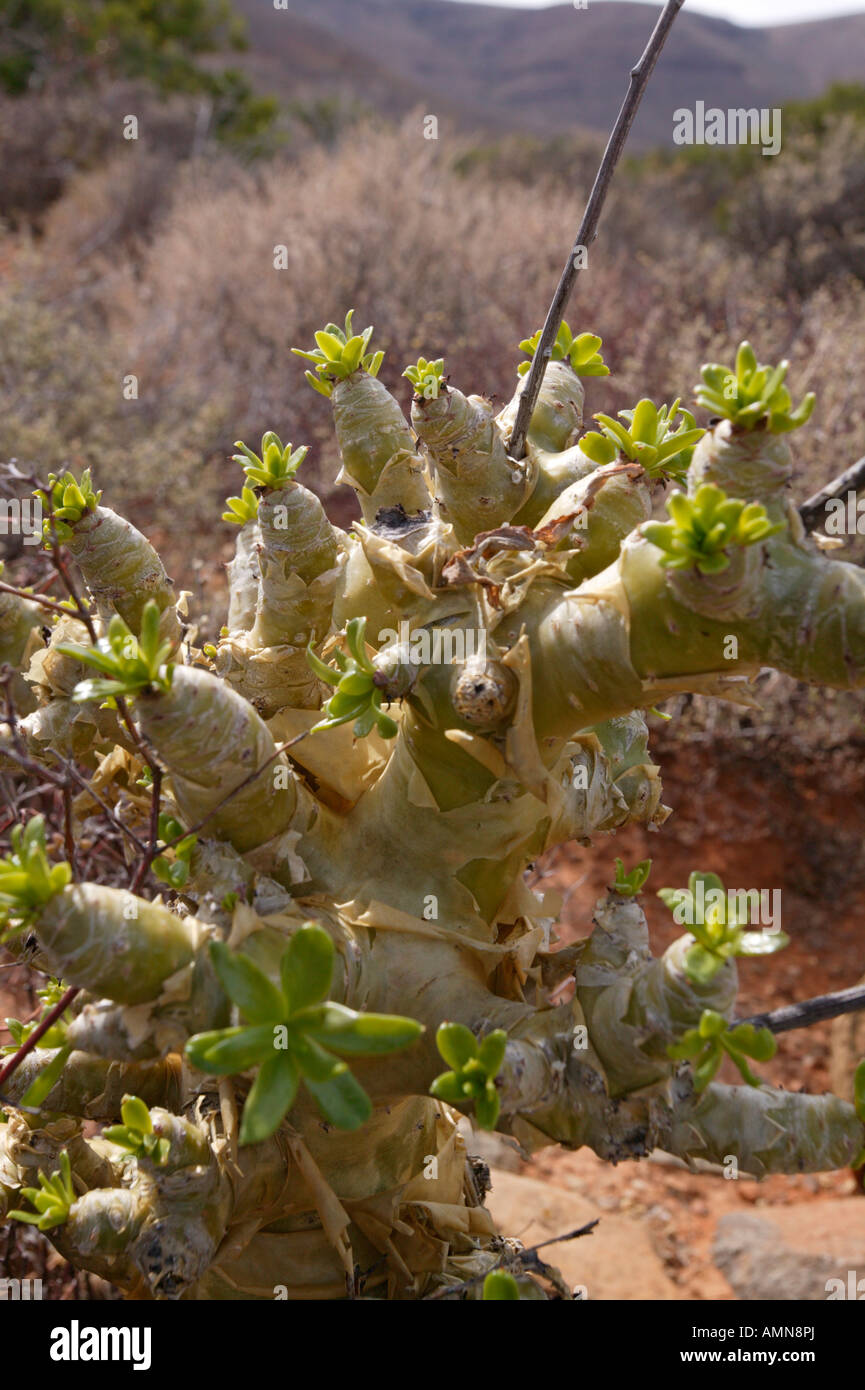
[617, 1261]
[795, 1252]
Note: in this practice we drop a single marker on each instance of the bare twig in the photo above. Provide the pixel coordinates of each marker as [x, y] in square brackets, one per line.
[589, 226]
[810, 1011]
[92, 792]
[41, 1028]
[43, 602]
[152, 849]
[852, 479]
[527, 1259]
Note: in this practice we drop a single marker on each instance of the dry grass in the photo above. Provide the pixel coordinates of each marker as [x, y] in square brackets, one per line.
[168, 273]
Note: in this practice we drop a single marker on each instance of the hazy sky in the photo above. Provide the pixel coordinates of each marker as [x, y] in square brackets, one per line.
[739, 11]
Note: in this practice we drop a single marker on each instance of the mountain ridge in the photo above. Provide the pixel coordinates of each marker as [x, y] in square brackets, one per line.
[543, 72]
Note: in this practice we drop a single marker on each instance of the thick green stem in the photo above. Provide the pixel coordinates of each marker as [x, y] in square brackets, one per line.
[211, 741]
[114, 944]
[122, 571]
[297, 559]
[477, 486]
[379, 458]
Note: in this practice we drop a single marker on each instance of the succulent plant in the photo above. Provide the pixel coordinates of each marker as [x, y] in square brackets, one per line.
[346, 906]
[751, 395]
[647, 437]
[581, 353]
[338, 354]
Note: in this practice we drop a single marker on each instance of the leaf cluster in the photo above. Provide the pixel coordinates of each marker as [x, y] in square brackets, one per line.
[751, 395]
[704, 527]
[27, 879]
[647, 437]
[67, 499]
[357, 696]
[581, 352]
[295, 1033]
[136, 1134]
[474, 1067]
[718, 934]
[275, 466]
[53, 1198]
[707, 1045]
[19, 1032]
[129, 664]
[628, 885]
[426, 377]
[339, 353]
[174, 872]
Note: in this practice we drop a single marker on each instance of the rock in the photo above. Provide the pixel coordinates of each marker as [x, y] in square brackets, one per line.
[792, 1253]
[617, 1261]
[496, 1150]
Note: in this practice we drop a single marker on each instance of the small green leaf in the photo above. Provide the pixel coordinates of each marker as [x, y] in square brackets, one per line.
[316, 1063]
[363, 1034]
[708, 1068]
[491, 1051]
[271, 1097]
[689, 1046]
[487, 1107]
[227, 1051]
[499, 1286]
[47, 1079]
[307, 967]
[456, 1043]
[759, 1043]
[342, 1101]
[248, 987]
[448, 1087]
[135, 1114]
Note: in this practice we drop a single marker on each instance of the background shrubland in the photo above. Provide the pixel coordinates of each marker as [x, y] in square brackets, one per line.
[156, 258]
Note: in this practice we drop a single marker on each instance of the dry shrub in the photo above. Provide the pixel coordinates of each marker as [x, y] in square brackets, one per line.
[441, 262]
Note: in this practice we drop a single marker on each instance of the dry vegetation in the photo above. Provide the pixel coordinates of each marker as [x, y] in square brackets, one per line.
[163, 267]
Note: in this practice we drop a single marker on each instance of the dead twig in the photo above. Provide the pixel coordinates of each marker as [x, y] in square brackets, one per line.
[813, 511]
[589, 226]
[528, 1259]
[810, 1011]
[41, 1028]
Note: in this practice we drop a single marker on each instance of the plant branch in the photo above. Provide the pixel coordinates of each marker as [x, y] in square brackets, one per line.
[589, 226]
[200, 824]
[41, 1028]
[92, 792]
[810, 1011]
[852, 479]
[43, 602]
[527, 1258]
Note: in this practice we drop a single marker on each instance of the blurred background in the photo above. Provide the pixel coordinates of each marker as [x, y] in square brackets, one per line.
[145, 326]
